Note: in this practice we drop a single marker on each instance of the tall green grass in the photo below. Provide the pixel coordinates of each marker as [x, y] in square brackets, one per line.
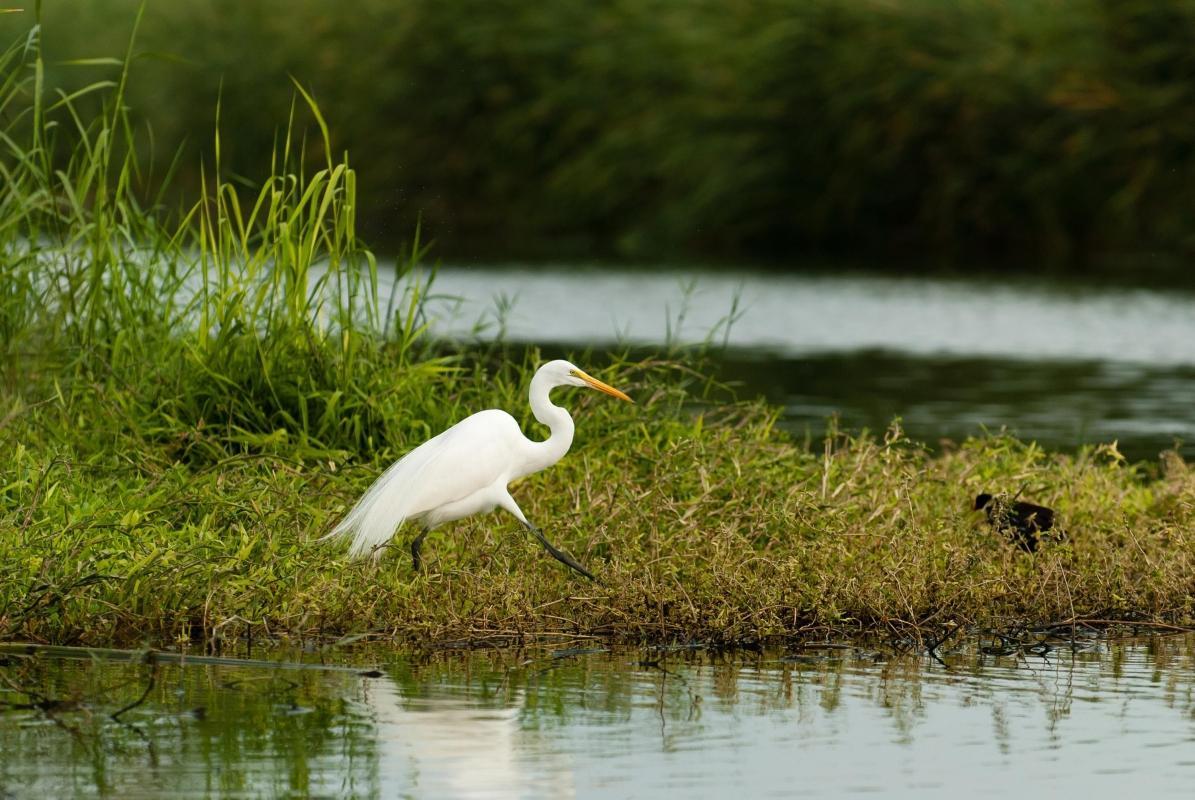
[252, 312]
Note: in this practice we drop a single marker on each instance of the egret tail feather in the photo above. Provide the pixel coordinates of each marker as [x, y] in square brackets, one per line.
[384, 506]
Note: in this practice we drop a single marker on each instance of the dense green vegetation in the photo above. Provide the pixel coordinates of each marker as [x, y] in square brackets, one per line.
[190, 398]
[710, 529]
[1021, 130]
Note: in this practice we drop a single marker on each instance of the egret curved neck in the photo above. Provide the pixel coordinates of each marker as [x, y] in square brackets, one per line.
[559, 422]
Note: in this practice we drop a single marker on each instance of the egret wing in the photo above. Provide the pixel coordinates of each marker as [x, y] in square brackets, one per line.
[474, 453]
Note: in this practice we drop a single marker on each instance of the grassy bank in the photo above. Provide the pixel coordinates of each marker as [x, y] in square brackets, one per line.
[706, 528]
[193, 394]
[1019, 131]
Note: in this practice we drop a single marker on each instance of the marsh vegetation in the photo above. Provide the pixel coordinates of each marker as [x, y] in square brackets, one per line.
[194, 392]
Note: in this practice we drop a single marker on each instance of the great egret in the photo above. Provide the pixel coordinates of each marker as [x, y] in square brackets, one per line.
[466, 469]
[1020, 521]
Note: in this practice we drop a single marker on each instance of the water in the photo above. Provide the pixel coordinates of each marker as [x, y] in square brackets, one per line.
[1062, 364]
[1112, 719]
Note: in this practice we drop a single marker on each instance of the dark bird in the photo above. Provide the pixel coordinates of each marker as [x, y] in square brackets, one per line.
[1021, 522]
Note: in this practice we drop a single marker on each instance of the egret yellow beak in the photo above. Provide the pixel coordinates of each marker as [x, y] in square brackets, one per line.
[602, 387]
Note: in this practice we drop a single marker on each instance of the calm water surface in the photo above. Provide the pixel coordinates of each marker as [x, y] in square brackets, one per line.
[1112, 719]
[1064, 364]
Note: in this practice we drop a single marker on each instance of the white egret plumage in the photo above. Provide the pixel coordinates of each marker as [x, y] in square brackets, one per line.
[466, 469]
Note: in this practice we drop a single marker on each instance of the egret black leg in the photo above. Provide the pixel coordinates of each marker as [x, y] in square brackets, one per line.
[562, 557]
[417, 550]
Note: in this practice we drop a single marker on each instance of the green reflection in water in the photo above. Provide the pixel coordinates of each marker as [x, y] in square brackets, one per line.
[1059, 404]
[518, 723]
[203, 730]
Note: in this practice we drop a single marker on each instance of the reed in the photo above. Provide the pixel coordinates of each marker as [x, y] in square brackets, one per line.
[254, 309]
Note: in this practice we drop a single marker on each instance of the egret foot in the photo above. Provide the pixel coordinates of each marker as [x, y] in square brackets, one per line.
[562, 557]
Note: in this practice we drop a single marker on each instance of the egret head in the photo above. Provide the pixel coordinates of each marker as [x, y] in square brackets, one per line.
[563, 373]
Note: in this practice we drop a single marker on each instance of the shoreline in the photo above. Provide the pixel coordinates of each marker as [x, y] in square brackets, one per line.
[707, 526]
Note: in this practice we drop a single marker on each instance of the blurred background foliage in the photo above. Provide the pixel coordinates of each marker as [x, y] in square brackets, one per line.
[920, 131]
